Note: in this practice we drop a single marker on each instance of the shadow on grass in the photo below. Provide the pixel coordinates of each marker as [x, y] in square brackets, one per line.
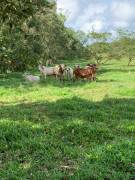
[51, 139]
[104, 70]
[12, 80]
[67, 109]
[16, 80]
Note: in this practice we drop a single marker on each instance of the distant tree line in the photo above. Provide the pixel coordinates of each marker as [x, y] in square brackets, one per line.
[31, 32]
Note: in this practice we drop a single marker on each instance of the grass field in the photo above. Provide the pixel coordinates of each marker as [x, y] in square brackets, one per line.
[79, 130]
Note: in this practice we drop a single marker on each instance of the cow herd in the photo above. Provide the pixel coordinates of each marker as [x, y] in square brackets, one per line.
[64, 72]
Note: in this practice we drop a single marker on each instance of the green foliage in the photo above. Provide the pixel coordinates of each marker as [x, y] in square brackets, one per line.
[20, 43]
[37, 38]
[103, 48]
[124, 45]
[14, 12]
[99, 46]
[99, 37]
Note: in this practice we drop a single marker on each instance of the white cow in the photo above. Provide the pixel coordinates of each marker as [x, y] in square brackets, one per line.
[69, 73]
[31, 78]
[57, 71]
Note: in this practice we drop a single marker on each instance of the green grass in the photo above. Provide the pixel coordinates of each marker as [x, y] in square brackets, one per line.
[79, 130]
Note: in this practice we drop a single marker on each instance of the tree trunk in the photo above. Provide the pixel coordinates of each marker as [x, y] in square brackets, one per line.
[105, 61]
[130, 60]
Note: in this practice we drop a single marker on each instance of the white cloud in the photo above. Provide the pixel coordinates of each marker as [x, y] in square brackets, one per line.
[90, 18]
[69, 8]
[123, 14]
[102, 15]
[114, 33]
[123, 11]
[92, 11]
[85, 27]
[96, 25]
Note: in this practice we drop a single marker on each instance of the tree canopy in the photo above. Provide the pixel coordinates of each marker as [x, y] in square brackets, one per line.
[31, 31]
[17, 11]
[39, 35]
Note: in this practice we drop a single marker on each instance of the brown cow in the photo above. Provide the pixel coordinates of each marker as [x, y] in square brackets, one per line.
[89, 72]
[94, 70]
[83, 73]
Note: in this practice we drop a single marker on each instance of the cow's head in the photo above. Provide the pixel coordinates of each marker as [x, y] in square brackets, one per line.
[62, 68]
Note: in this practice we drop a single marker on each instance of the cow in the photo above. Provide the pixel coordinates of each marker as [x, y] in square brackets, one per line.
[94, 70]
[68, 73]
[56, 71]
[31, 78]
[89, 72]
[84, 73]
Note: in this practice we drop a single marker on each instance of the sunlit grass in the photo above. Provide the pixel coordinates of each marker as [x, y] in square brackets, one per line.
[69, 130]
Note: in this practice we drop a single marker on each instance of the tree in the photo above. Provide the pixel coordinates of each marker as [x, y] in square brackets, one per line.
[100, 45]
[14, 12]
[22, 44]
[40, 37]
[124, 45]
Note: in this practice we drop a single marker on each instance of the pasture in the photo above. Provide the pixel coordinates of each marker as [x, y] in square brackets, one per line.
[81, 130]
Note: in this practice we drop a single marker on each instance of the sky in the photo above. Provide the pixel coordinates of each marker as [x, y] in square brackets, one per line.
[98, 15]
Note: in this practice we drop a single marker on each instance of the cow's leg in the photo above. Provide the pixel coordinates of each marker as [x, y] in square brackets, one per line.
[45, 76]
[61, 77]
[56, 76]
[68, 76]
[77, 78]
[42, 75]
[94, 77]
[74, 78]
[90, 78]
